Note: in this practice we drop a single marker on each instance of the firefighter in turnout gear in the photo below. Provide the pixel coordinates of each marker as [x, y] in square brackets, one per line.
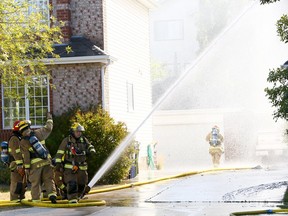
[71, 156]
[215, 140]
[17, 176]
[37, 160]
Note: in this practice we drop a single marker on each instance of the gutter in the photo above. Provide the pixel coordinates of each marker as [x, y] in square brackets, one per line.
[104, 59]
[103, 84]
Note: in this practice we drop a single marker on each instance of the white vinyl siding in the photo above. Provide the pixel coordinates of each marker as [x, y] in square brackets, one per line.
[128, 42]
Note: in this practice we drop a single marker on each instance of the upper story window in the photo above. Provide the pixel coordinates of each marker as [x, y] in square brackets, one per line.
[40, 6]
[130, 97]
[32, 102]
[168, 30]
[37, 6]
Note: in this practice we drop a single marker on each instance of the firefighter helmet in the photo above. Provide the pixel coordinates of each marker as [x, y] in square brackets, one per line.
[77, 127]
[16, 125]
[24, 125]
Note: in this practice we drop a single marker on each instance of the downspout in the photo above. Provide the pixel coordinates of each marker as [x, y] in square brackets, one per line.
[103, 83]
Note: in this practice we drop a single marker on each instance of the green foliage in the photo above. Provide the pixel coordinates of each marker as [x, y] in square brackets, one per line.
[278, 93]
[61, 125]
[213, 17]
[158, 71]
[26, 38]
[282, 23]
[102, 131]
[268, 1]
[282, 28]
[106, 135]
[4, 174]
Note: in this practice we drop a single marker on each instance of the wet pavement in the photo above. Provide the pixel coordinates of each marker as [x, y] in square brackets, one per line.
[212, 193]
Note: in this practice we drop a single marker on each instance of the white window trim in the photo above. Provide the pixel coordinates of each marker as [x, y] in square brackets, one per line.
[27, 114]
[130, 97]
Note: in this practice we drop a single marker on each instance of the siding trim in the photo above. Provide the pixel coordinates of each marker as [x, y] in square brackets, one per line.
[105, 59]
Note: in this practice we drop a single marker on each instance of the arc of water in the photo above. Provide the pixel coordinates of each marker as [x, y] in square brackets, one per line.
[117, 152]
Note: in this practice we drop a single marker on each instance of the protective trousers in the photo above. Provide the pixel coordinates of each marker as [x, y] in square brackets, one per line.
[216, 153]
[39, 176]
[17, 186]
[75, 182]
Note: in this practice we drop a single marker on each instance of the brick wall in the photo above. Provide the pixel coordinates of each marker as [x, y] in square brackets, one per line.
[81, 18]
[78, 84]
[61, 10]
[87, 20]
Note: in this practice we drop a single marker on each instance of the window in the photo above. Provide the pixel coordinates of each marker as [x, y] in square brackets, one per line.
[168, 30]
[41, 6]
[32, 102]
[130, 97]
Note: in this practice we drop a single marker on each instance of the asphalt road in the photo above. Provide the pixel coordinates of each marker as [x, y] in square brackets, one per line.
[213, 193]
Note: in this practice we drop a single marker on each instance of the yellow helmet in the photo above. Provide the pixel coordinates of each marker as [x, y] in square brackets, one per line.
[77, 127]
[24, 124]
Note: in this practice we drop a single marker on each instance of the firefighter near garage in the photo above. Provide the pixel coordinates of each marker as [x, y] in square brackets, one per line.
[216, 149]
[12, 158]
[37, 160]
[71, 158]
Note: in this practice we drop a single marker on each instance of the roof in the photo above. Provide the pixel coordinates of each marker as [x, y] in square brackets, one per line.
[80, 46]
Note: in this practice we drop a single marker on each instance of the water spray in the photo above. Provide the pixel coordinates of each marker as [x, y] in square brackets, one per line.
[118, 151]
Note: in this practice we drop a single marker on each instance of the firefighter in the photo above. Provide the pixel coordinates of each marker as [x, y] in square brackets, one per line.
[215, 140]
[37, 160]
[59, 181]
[74, 149]
[17, 176]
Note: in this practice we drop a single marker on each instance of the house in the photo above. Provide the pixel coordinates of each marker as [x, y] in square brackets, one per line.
[109, 65]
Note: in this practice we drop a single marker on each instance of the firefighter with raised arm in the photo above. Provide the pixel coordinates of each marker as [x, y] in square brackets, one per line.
[12, 157]
[74, 149]
[37, 160]
[215, 140]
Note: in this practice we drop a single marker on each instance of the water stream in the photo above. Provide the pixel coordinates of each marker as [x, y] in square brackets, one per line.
[191, 69]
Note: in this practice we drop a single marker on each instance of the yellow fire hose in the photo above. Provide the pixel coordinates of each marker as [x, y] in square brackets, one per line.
[64, 203]
[8, 203]
[90, 202]
[258, 212]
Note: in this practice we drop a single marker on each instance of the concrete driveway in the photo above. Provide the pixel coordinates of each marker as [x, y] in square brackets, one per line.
[213, 193]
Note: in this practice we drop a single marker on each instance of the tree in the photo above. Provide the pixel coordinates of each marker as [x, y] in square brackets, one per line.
[26, 38]
[278, 93]
[282, 23]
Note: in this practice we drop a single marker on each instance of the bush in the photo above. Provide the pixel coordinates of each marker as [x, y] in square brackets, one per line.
[4, 174]
[102, 131]
[61, 125]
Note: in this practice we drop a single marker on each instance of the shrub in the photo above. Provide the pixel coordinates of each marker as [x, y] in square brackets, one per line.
[4, 174]
[61, 125]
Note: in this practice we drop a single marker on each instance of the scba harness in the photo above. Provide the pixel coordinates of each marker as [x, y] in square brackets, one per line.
[6, 156]
[38, 148]
[75, 150]
[214, 139]
[4, 153]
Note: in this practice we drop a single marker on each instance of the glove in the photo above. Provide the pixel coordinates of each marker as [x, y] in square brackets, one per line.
[92, 152]
[58, 167]
[21, 170]
[49, 115]
[75, 169]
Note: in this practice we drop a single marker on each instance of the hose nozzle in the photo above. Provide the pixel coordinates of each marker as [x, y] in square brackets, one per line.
[85, 191]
